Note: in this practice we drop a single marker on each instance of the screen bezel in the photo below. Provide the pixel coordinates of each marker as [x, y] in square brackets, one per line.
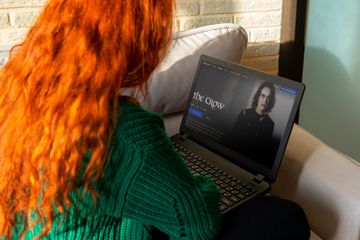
[233, 156]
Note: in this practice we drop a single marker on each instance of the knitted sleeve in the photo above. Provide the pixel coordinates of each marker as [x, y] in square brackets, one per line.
[165, 195]
[162, 192]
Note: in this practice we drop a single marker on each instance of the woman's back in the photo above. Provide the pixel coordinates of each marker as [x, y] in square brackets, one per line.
[142, 188]
[59, 99]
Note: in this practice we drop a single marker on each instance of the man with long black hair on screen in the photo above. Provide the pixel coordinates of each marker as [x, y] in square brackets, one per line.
[254, 127]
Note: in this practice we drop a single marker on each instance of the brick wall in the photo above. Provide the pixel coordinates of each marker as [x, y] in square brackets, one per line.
[16, 17]
[260, 18]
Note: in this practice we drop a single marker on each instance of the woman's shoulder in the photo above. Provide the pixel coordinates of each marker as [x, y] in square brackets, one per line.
[129, 108]
[137, 126]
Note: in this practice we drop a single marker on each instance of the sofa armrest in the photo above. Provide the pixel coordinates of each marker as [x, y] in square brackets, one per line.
[324, 182]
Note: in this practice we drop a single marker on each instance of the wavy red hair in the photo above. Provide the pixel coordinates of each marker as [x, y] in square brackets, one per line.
[58, 95]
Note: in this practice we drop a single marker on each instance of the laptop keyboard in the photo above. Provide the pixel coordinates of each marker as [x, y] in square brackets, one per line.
[233, 190]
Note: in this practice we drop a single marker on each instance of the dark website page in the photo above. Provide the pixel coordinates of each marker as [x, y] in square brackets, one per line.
[223, 109]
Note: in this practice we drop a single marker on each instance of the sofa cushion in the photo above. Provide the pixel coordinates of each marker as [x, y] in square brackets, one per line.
[170, 84]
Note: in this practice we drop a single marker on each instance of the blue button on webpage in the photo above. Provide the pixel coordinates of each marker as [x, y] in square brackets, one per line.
[196, 112]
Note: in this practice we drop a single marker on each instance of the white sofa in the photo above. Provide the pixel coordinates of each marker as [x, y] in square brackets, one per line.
[326, 183]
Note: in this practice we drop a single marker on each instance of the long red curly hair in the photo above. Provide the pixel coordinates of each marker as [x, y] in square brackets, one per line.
[58, 95]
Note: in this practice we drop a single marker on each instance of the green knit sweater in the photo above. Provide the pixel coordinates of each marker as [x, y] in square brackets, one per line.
[145, 185]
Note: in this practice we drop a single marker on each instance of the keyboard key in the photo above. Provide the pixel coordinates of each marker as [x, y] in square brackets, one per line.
[212, 171]
[218, 181]
[233, 184]
[194, 167]
[238, 187]
[223, 185]
[227, 202]
[234, 199]
[241, 196]
[227, 194]
[227, 180]
[222, 177]
[223, 207]
[182, 153]
[235, 192]
[247, 193]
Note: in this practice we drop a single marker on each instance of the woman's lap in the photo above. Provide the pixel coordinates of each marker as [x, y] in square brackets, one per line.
[266, 217]
[262, 218]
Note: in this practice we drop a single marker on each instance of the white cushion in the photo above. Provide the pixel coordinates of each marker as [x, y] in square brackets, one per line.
[170, 84]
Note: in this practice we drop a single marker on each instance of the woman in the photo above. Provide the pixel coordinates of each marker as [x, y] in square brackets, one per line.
[79, 161]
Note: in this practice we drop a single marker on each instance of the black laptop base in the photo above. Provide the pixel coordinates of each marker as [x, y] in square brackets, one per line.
[235, 184]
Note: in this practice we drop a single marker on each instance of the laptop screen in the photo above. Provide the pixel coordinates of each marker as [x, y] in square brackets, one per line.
[242, 113]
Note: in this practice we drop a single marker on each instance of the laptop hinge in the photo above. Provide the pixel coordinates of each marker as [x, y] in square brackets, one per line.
[258, 178]
[184, 136]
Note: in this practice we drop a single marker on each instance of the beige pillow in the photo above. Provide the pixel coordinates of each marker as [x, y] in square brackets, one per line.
[170, 84]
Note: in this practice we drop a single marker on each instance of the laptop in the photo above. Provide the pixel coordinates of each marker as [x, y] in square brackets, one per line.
[236, 127]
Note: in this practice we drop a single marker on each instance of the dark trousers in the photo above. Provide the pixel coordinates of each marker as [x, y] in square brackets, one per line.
[266, 218]
[263, 218]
